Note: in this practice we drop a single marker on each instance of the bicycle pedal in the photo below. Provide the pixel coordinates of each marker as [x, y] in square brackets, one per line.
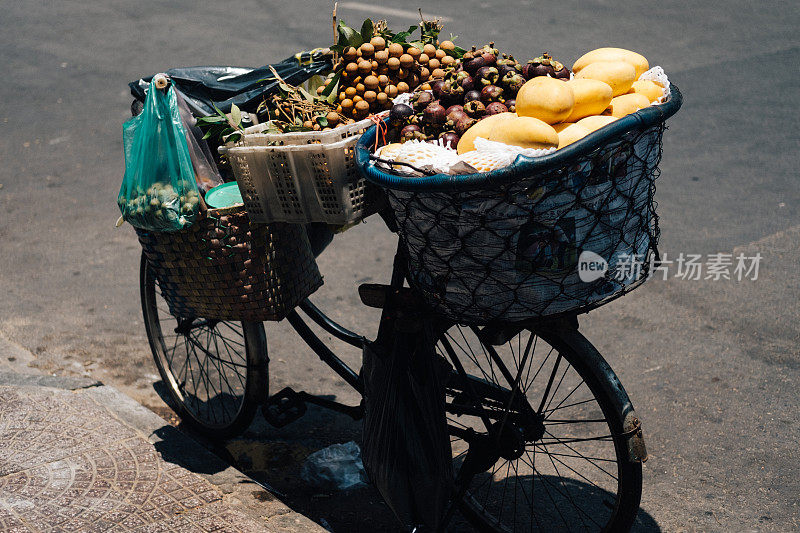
[283, 408]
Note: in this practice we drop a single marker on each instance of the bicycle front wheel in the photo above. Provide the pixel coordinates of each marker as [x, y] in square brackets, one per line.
[214, 370]
[537, 425]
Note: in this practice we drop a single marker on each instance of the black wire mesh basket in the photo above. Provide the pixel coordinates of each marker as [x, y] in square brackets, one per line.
[558, 234]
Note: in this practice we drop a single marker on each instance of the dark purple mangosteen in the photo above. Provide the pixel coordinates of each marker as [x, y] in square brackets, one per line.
[472, 95]
[400, 113]
[475, 108]
[449, 139]
[464, 123]
[495, 108]
[412, 131]
[421, 101]
[434, 115]
[491, 93]
[487, 76]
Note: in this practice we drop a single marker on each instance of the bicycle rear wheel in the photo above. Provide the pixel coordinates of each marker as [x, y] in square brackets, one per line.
[215, 370]
[539, 423]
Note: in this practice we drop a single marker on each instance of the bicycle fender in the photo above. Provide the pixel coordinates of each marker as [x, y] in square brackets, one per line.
[632, 426]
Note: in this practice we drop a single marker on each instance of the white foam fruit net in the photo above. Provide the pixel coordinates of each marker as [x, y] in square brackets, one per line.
[658, 75]
[487, 156]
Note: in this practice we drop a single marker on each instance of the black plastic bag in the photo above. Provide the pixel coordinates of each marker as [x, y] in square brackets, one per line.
[205, 87]
[406, 449]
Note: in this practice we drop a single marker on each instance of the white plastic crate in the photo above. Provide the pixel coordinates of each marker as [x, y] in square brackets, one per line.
[303, 176]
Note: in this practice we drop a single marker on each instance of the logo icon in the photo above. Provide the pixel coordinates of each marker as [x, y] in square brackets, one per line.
[591, 266]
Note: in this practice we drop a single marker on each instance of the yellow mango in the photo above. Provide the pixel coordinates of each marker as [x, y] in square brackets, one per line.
[595, 122]
[527, 132]
[547, 99]
[638, 61]
[651, 89]
[618, 74]
[569, 132]
[626, 104]
[591, 98]
[481, 129]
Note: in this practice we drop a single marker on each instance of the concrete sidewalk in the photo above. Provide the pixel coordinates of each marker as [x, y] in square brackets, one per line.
[76, 455]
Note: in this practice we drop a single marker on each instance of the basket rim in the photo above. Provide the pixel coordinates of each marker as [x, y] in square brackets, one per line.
[321, 136]
[314, 147]
[522, 166]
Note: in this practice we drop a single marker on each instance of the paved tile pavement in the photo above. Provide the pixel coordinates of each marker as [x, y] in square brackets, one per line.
[68, 462]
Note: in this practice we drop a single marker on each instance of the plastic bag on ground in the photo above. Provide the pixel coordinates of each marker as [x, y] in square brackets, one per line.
[407, 451]
[158, 192]
[337, 467]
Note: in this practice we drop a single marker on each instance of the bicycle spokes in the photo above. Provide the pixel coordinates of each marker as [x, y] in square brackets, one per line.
[530, 440]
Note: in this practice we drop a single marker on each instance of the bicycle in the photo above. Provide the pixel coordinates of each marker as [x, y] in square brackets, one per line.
[221, 393]
[529, 403]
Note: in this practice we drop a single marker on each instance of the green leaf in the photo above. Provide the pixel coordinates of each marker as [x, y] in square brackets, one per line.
[322, 121]
[348, 36]
[367, 30]
[314, 83]
[457, 52]
[306, 94]
[331, 91]
[403, 36]
[236, 114]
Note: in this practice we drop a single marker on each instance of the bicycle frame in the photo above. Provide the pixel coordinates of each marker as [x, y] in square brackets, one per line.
[326, 355]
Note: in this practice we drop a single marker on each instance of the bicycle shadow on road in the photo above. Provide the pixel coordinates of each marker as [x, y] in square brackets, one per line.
[274, 456]
[560, 504]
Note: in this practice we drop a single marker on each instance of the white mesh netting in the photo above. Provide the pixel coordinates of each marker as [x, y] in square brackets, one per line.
[658, 75]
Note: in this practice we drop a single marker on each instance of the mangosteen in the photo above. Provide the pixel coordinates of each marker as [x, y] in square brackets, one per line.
[475, 108]
[464, 124]
[438, 89]
[452, 91]
[490, 59]
[513, 81]
[455, 107]
[421, 101]
[468, 83]
[495, 108]
[455, 116]
[435, 114]
[545, 65]
[400, 113]
[491, 93]
[449, 139]
[472, 95]
[487, 76]
[473, 65]
[412, 131]
[511, 104]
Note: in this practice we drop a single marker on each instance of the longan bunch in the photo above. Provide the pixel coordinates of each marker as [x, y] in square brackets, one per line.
[376, 72]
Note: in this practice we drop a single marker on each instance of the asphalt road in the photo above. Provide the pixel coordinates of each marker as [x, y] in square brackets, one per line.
[713, 367]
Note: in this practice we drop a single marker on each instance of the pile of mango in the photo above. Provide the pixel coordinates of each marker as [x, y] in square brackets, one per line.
[553, 112]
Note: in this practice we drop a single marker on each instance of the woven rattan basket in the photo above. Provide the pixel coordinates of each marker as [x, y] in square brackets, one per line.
[224, 267]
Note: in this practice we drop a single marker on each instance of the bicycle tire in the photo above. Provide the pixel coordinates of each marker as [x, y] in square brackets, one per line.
[243, 354]
[610, 397]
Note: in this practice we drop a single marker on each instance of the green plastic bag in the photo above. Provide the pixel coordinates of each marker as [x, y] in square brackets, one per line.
[158, 192]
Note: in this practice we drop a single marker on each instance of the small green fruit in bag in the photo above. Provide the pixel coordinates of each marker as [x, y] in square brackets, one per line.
[159, 192]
